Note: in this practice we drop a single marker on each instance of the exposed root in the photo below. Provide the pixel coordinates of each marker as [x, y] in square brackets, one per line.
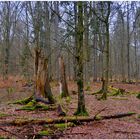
[23, 101]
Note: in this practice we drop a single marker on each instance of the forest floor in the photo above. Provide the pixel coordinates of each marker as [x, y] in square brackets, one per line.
[127, 127]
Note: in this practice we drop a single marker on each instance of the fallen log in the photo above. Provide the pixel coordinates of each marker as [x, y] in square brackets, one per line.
[75, 119]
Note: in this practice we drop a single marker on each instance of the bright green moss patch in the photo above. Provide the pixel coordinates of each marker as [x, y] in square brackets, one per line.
[45, 132]
[28, 108]
[68, 99]
[43, 107]
[31, 106]
[24, 101]
[31, 103]
[131, 113]
[63, 126]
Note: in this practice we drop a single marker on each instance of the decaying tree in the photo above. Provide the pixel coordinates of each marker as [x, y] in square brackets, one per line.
[42, 85]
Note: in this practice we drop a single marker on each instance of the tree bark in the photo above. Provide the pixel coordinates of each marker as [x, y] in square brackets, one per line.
[63, 82]
[128, 44]
[42, 88]
[106, 57]
[81, 110]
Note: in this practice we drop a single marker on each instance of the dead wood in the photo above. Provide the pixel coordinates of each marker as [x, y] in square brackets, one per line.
[126, 132]
[75, 119]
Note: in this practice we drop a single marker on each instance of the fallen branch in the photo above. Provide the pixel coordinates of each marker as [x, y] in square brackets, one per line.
[75, 119]
[126, 132]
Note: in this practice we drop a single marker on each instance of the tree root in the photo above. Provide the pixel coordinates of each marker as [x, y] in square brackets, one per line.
[111, 92]
[24, 101]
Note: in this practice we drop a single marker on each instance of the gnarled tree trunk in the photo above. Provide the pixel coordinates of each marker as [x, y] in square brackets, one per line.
[42, 88]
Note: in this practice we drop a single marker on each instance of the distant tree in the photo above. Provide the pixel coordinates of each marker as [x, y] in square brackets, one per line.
[104, 11]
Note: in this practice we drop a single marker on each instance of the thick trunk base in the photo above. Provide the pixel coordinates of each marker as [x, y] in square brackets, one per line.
[81, 111]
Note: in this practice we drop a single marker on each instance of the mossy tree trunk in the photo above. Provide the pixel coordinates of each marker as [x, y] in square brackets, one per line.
[106, 57]
[63, 83]
[81, 110]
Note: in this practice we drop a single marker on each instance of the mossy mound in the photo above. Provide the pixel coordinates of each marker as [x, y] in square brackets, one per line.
[115, 91]
[63, 126]
[33, 105]
[23, 101]
[111, 92]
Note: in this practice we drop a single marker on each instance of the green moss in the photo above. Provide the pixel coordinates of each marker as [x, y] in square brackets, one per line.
[88, 88]
[98, 92]
[31, 106]
[116, 98]
[43, 107]
[115, 91]
[138, 96]
[131, 113]
[68, 99]
[23, 101]
[31, 103]
[81, 113]
[63, 126]
[98, 117]
[4, 115]
[45, 132]
[28, 108]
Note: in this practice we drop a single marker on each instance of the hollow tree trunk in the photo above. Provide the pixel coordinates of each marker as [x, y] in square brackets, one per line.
[63, 86]
[42, 88]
